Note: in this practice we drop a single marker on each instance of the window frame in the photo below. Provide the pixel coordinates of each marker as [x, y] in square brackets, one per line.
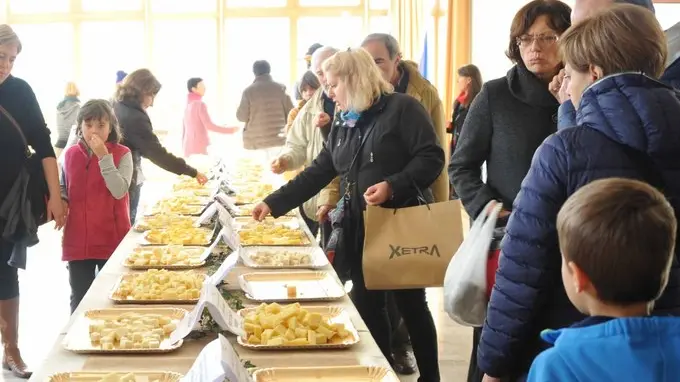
[223, 13]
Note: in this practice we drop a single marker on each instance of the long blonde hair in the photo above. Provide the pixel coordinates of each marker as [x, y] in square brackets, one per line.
[362, 77]
[8, 37]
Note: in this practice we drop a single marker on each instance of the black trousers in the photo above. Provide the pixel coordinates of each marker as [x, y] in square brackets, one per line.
[9, 276]
[372, 306]
[400, 338]
[325, 229]
[311, 224]
[474, 374]
[81, 274]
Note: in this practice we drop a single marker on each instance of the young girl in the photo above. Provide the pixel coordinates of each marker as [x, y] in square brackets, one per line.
[96, 175]
[308, 86]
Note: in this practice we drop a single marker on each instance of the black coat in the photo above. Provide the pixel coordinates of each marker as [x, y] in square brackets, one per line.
[139, 137]
[457, 119]
[17, 97]
[504, 126]
[402, 149]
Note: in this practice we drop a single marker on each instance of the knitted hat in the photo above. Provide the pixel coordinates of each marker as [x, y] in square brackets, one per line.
[120, 76]
[649, 4]
[312, 48]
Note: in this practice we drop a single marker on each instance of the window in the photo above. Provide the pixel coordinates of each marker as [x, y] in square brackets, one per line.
[491, 35]
[256, 3]
[111, 5]
[44, 43]
[667, 14]
[178, 56]
[329, 3]
[380, 4]
[104, 53]
[38, 6]
[240, 53]
[380, 24]
[182, 6]
[326, 31]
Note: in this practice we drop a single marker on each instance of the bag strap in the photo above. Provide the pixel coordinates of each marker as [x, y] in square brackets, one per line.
[16, 126]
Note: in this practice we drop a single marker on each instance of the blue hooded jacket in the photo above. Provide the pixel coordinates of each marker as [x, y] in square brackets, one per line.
[622, 350]
[566, 114]
[623, 110]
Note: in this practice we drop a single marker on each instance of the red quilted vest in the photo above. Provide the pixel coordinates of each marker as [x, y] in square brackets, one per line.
[97, 222]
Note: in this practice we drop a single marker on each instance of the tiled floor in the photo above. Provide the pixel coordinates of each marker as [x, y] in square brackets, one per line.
[45, 310]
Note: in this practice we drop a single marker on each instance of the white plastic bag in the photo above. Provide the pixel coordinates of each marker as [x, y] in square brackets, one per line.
[465, 282]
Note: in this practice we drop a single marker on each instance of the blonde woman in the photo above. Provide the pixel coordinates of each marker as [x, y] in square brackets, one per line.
[67, 111]
[384, 148]
[18, 100]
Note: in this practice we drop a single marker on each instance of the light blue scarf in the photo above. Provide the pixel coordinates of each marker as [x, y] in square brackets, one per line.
[350, 117]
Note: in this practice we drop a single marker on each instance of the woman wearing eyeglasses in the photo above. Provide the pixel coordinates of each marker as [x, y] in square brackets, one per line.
[507, 122]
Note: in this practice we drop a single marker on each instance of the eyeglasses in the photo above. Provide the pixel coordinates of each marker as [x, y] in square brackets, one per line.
[541, 39]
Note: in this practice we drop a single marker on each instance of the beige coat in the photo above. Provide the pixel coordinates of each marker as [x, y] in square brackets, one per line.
[264, 108]
[303, 143]
[422, 90]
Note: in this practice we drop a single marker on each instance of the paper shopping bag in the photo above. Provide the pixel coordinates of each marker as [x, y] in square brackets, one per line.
[410, 247]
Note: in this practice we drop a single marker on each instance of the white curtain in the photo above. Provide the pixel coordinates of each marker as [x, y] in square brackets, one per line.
[408, 20]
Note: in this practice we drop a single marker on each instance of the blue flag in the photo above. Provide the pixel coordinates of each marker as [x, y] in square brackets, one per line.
[423, 66]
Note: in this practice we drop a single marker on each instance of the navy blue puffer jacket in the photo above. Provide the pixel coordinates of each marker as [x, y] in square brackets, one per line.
[620, 110]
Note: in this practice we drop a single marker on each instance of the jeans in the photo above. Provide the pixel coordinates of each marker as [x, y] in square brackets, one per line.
[9, 276]
[81, 274]
[135, 193]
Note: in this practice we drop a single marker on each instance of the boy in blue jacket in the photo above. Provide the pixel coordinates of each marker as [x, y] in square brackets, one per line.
[617, 238]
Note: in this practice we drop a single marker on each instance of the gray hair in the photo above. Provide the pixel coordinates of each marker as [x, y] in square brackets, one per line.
[649, 4]
[386, 39]
[320, 55]
[8, 37]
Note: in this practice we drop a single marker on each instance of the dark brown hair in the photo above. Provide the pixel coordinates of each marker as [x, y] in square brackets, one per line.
[137, 85]
[472, 72]
[559, 20]
[99, 110]
[624, 38]
[621, 233]
[309, 80]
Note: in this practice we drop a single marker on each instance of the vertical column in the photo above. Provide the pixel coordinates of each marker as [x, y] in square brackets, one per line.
[148, 33]
[221, 48]
[4, 11]
[293, 50]
[77, 9]
[367, 16]
[458, 36]
[434, 45]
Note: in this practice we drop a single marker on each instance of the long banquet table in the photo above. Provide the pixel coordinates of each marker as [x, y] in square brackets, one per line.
[59, 360]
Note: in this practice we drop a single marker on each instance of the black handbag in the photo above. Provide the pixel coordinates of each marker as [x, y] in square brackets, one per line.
[37, 193]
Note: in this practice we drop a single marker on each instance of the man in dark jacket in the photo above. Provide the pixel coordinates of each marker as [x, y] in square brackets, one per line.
[585, 8]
